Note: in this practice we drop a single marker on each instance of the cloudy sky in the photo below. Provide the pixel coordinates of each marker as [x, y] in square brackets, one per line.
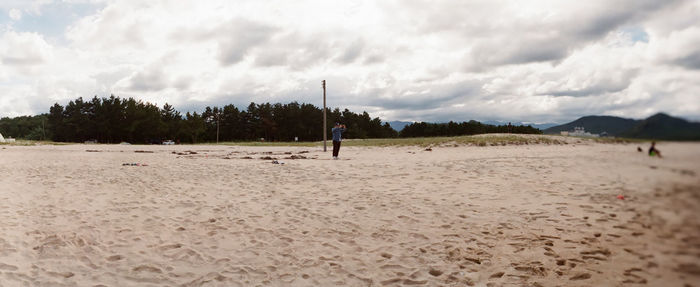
[422, 60]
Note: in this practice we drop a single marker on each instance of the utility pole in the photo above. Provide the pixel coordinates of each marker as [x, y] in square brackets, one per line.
[325, 136]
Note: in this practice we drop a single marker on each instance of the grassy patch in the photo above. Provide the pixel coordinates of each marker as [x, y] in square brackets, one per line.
[32, 143]
[477, 140]
[251, 143]
[618, 140]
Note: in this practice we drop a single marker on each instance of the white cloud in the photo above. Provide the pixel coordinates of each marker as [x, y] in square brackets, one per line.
[15, 14]
[544, 60]
[20, 49]
[680, 48]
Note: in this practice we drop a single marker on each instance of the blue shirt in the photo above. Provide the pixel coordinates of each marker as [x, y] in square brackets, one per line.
[336, 133]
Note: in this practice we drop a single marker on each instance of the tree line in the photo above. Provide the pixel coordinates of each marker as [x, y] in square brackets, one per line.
[25, 127]
[114, 120]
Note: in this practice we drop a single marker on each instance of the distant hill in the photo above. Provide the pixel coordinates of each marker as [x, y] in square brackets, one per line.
[664, 127]
[544, 125]
[399, 125]
[660, 126]
[614, 126]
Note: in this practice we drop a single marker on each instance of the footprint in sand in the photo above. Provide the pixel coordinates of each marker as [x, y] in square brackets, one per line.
[414, 282]
[435, 272]
[8, 267]
[634, 278]
[497, 275]
[147, 268]
[689, 268]
[170, 246]
[115, 258]
[599, 254]
[390, 281]
[581, 276]
[533, 268]
[62, 274]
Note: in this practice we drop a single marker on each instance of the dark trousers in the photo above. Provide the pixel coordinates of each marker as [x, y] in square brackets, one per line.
[336, 148]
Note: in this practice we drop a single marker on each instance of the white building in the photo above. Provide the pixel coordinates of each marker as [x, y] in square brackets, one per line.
[6, 140]
[581, 132]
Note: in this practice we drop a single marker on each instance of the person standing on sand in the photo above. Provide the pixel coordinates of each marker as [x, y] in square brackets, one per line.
[337, 131]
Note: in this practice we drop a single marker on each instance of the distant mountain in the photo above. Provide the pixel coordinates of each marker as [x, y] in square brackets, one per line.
[664, 127]
[614, 126]
[544, 126]
[399, 125]
[660, 126]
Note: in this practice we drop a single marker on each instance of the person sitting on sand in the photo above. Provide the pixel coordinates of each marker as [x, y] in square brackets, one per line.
[653, 151]
[337, 131]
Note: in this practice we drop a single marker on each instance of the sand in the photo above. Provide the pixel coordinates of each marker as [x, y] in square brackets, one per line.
[527, 215]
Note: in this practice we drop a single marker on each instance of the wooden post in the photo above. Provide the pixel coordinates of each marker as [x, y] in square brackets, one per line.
[325, 136]
[217, 127]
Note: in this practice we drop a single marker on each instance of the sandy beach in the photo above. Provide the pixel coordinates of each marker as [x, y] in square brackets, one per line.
[516, 215]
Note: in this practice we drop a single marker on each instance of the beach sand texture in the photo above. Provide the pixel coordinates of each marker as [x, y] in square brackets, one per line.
[522, 215]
